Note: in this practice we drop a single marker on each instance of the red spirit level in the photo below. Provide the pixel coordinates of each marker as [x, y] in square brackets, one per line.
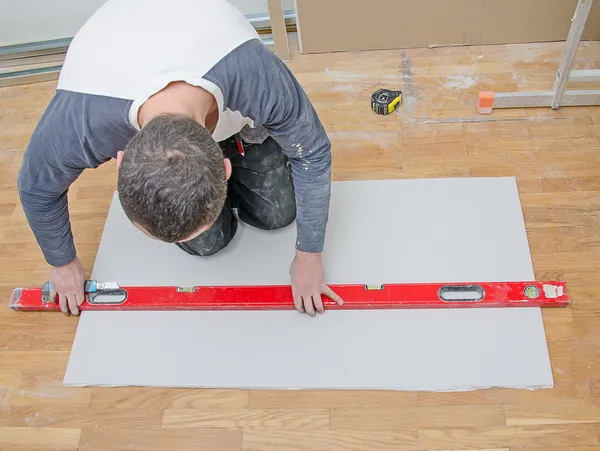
[109, 296]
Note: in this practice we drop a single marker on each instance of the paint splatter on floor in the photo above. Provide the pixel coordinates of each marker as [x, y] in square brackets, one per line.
[459, 81]
[410, 94]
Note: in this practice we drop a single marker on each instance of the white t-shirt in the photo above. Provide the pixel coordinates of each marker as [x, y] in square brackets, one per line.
[131, 49]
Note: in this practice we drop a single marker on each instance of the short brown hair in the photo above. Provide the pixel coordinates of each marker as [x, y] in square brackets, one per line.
[172, 178]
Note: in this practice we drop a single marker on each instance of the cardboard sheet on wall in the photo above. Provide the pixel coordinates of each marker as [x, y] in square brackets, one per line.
[395, 231]
[345, 25]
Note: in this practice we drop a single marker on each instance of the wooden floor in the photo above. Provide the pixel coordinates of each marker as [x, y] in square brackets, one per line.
[437, 133]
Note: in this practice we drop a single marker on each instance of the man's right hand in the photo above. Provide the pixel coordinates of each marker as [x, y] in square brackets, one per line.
[67, 282]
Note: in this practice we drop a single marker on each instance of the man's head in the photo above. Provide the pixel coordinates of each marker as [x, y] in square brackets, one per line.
[172, 178]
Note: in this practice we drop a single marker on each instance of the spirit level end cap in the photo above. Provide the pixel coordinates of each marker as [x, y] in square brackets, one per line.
[15, 297]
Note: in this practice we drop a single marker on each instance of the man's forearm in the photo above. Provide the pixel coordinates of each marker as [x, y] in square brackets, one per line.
[49, 221]
[313, 191]
[291, 120]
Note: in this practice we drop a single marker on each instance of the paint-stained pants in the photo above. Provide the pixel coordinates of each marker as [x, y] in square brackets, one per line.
[261, 189]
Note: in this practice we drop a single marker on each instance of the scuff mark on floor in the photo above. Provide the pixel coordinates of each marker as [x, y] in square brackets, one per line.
[343, 75]
[459, 81]
[5, 396]
[37, 420]
[410, 94]
[349, 91]
[380, 137]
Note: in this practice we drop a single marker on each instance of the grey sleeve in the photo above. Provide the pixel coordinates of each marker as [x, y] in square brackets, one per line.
[260, 86]
[61, 147]
[44, 180]
[294, 124]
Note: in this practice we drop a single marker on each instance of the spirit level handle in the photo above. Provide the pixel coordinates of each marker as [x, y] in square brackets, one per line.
[95, 292]
[461, 293]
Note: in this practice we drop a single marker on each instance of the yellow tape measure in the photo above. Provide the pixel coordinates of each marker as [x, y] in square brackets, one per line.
[385, 101]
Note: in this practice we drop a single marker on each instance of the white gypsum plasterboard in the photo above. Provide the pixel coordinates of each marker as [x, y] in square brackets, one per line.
[388, 231]
[453, 230]
[442, 350]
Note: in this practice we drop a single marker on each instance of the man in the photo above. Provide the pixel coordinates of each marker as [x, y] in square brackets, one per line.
[156, 85]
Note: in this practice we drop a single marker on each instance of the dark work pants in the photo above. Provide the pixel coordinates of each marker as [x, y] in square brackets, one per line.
[261, 189]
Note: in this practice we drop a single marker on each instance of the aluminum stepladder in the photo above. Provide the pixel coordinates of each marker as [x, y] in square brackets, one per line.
[559, 96]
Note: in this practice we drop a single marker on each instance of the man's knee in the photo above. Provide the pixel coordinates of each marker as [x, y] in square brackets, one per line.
[203, 249]
[214, 239]
[277, 216]
[267, 202]
[280, 210]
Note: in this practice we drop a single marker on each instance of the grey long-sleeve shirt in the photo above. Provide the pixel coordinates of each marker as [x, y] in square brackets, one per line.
[89, 121]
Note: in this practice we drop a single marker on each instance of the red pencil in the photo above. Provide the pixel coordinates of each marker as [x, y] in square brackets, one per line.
[240, 147]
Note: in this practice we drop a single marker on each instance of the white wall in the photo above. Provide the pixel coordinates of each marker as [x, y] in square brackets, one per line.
[39, 20]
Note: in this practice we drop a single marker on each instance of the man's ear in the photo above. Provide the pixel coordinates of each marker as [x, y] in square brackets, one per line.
[227, 163]
[119, 158]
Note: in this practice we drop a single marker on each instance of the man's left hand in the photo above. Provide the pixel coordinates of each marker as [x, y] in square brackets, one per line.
[308, 283]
